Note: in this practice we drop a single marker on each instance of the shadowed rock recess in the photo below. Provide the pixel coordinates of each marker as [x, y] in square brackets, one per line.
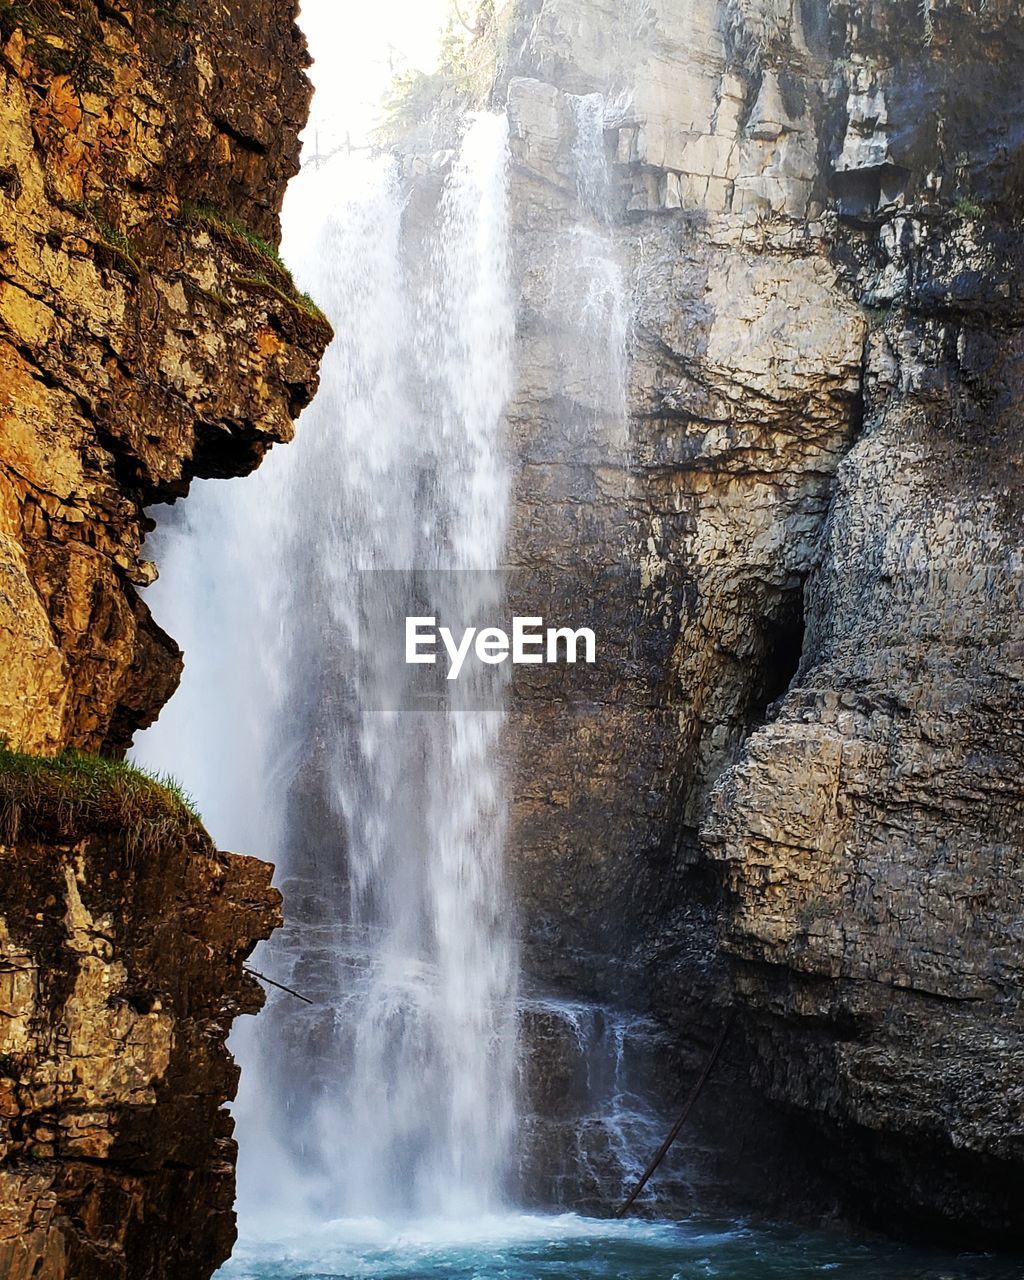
[148, 335]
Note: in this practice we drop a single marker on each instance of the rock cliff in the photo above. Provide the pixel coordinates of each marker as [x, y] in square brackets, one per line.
[794, 788]
[121, 946]
[148, 334]
[871, 832]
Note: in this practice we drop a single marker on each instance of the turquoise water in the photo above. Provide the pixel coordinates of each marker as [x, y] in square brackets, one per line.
[572, 1248]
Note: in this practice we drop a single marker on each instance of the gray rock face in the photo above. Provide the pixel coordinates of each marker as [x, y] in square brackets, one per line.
[590, 1087]
[771, 386]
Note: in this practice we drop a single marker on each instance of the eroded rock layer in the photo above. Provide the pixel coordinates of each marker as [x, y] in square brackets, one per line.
[797, 789]
[148, 334]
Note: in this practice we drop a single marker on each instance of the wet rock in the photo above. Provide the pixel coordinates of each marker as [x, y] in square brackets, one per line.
[803, 799]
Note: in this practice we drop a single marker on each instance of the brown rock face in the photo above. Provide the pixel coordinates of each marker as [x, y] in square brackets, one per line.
[143, 340]
[148, 335]
[120, 975]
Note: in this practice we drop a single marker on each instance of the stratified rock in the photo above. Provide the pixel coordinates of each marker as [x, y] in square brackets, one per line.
[795, 785]
[148, 335]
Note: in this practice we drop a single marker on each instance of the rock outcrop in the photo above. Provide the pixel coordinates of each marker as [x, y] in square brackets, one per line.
[871, 832]
[148, 334]
[120, 975]
[794, 789]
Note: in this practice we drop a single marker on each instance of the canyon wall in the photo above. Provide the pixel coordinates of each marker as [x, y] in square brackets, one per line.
[769, 271]
[148, 334]
[793, 788]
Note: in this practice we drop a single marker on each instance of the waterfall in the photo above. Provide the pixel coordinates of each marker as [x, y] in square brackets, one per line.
[394, 1093]
[587, 300]
[593, 1071]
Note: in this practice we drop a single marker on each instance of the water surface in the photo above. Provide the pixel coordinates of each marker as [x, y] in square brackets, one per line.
[573, 1248]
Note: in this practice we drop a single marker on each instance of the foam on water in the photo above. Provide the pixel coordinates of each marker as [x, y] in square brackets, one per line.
[528, 1247]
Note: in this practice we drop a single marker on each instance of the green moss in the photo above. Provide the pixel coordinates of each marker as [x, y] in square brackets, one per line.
[118, 245]
[309, 306]
[237, 235]
[301, 303]
[71, 795]
[268, 274]
[64, 37]
[114, 241]
[967, 208]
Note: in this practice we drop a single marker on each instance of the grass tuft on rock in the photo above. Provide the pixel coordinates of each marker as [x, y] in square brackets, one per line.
[967, 209]
[236, 234]
[69, 796]
[300, 303]
[268, 273]
[112, 241]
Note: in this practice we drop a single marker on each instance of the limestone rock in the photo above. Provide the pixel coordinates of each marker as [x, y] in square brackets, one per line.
[146, 337]
[794, 786]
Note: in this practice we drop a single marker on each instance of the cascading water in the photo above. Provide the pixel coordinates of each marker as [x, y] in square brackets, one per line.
[391, 1098]
[591, 1117]
[393, 1093]
[589, 286]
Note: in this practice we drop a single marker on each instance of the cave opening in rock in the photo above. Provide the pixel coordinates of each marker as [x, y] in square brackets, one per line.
[782, 646]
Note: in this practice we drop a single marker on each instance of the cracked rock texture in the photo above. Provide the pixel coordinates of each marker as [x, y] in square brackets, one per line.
[794, 787]
[137, 348]
[146, 337]
[119, 978]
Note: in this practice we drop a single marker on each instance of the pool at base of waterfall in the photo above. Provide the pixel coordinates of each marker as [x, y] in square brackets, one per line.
[574, 1248]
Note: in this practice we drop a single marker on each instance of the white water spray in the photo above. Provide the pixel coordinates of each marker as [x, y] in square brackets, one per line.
[394, 1093]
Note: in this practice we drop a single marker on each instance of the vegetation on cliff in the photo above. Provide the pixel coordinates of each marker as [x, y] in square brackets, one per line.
[67, 796]
[435, 102]
[64, 39]
[269, 275]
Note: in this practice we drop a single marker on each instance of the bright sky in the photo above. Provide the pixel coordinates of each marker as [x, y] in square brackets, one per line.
[355, 45]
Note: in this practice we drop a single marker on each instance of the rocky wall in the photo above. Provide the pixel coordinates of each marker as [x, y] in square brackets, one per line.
[148, 334]
[120, 975]
[145, 334]
[804, 801]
